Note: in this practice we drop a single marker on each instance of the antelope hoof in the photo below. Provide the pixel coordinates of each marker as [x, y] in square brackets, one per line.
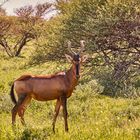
[13, 126]
[13, 123]
[66, 130]
[24, 124]
[54, 131]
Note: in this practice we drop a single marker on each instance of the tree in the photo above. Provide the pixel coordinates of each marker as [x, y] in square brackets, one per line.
[111, 30]
[18, 31]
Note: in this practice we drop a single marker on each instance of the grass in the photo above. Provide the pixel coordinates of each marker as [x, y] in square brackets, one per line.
[91, 116]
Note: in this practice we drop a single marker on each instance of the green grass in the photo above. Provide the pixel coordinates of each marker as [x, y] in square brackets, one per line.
[91, 116]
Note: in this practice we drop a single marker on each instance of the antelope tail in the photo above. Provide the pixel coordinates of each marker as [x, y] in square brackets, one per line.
[13, 95]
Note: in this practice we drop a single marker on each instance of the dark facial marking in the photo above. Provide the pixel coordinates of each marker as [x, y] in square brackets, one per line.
[76, 59]
[77, 69]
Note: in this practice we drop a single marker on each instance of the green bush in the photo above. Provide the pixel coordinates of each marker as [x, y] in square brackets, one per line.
[30, 134]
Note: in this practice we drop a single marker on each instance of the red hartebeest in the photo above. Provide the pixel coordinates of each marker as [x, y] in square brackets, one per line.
[43, 88]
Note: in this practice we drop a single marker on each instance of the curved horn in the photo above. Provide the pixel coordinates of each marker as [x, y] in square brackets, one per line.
[69, 48]
[82, 43]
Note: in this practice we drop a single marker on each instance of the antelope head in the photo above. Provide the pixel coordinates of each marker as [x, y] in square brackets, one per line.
[76, 58]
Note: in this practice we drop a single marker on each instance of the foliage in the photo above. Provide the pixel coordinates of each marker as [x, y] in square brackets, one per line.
[112, 87]
[50, 45]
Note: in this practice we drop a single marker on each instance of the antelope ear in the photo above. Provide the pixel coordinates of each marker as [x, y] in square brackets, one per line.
[84, 58]
[69, 58]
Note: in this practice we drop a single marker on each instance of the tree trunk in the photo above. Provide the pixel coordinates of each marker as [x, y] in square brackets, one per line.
[21, 45]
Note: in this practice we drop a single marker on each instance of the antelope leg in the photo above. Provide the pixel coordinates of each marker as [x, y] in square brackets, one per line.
[65, 114]
[57, 108]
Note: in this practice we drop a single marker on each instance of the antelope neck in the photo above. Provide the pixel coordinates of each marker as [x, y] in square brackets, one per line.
[71, 75]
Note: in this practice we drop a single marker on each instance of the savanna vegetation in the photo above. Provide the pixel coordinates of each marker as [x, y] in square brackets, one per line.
[105, 104]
